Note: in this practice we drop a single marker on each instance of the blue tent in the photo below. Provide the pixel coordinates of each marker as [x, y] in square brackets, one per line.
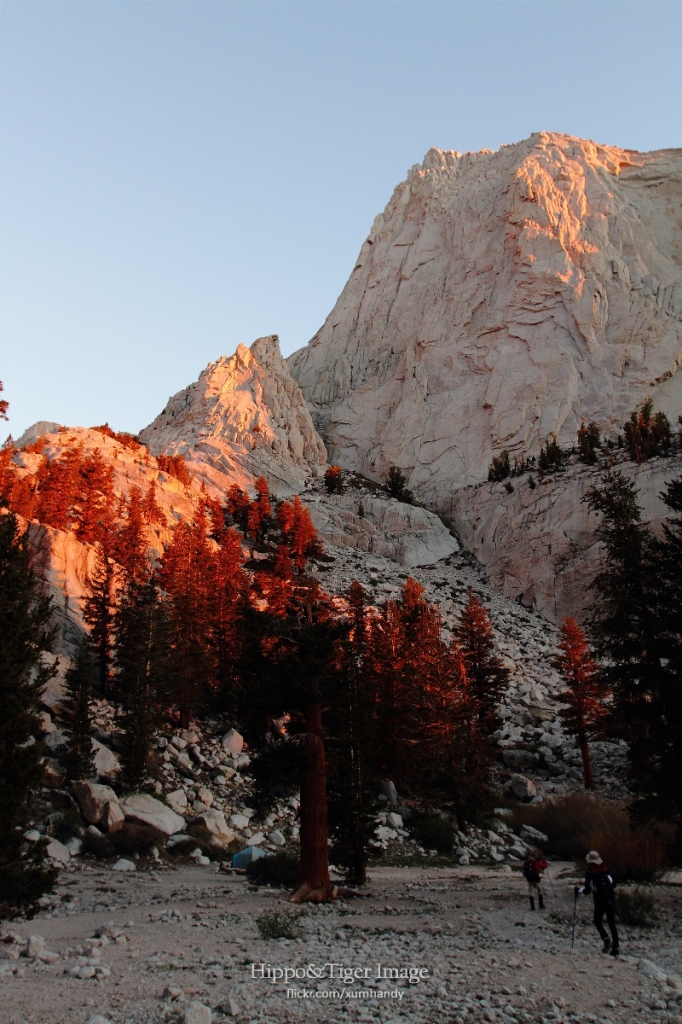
[246, 856]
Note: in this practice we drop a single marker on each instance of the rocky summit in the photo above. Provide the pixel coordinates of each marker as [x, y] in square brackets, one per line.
[500, 298]
[244, 417]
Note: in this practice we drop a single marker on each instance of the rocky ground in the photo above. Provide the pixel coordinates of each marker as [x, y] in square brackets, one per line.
[148, 947]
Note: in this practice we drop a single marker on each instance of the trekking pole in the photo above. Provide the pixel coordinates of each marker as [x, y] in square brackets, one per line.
[575, 909]
[551, 883]
[621, 918]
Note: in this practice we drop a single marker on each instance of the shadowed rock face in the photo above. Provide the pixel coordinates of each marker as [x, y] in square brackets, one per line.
[245, 417]
[500, 298]
[539, 544]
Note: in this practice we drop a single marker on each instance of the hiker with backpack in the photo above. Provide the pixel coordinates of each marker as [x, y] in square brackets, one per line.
[533, 867]
[600, 884]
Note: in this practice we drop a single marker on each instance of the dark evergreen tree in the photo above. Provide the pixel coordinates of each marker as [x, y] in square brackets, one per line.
[487, 676]
[77, 710]
[396, 485]
[626, 627]
[140, 661]
[100, 607]
[659, 778]
[589, 442]
[24, 632]
[353, 775]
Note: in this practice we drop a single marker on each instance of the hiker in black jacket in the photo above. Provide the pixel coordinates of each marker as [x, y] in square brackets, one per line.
[599, 883]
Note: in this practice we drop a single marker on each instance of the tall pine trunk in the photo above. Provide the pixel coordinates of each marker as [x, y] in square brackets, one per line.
[587, 760]
[314, 884]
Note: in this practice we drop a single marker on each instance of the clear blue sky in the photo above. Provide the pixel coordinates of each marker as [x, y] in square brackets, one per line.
[179, 177]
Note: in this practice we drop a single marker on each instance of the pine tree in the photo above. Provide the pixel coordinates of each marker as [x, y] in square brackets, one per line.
[353, 778]
[333, 480]
[487, 675]
[130, 548]
[77, 709]
[99, 609]
[4, 405]
[94, 505]
[259, 518]
[589, 442]
[187, 575]
[140, 660]
[586, 694]
[290, 664]
[659, 776]
[230, 591]
[626, 627]
[24, 632]
[151, 510]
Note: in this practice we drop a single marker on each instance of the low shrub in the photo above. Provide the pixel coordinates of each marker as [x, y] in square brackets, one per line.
[279, 924]
[500, 468]
[279, 869]
[637, 907]
[100, 847]
[580, 822]
[131, 838]
[433, 833]
[70, 824]
[395, 485]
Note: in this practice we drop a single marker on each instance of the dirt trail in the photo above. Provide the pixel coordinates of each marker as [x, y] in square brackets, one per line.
[192, 934]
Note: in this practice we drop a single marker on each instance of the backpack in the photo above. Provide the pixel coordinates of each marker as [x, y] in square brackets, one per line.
[530, 871]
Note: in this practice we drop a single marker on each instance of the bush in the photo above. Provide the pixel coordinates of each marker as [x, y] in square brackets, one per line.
[647, 435]
[433, 833]
[69, 824]
[333, 481]
[551, 456]
[395, 485]
[131, 838]
[578, 823]
[282, 924]
[637, 906]
[279, 869]
[98, 846]
[500, 468]
[589, 442]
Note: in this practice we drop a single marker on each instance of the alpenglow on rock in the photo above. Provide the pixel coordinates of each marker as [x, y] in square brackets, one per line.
[245, 417]
[500, 298]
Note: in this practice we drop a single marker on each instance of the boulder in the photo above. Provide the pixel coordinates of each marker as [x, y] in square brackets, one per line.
[518, 758]
[232, 742]
[177, 800]
[522, 787]
[55, 740]
[215, 822]
[57, 852]
[276, 838]
[113, 815]
[239, 820]
[389, 791]
[146, 810]
[123, 864]
[54, 771]
[532, 835]
[197, 1013]
[205, 796]
[34, 944]
[107, 763]
[394, 820]
[93, 798]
